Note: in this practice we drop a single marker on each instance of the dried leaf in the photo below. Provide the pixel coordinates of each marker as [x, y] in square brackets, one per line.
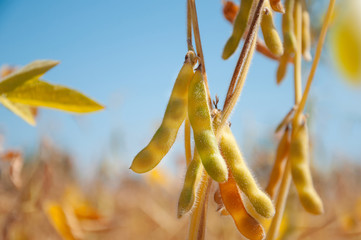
[232, 199]
[33, 70]
[58, 219]
[25, 112]
[15, 160]
[42, 94]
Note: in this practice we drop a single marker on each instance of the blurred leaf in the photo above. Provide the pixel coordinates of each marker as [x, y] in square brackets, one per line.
[58, 219]
[24, 111]
[42, 94]
[33, 70]
[15, 160]
[82, 208]
[346, 40]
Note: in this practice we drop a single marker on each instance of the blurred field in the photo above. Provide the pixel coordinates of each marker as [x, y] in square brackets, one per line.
[44, 199]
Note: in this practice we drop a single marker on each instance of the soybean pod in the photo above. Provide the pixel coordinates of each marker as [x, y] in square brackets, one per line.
[270, 35]
[245, 223]
[289, 36]
[174, 115]
[306, 35]
[282, 68]
[301, 174]
[204, 138]
[279, 165]
[289, 40]
[192, 180]
[242, 175]
[239, 26]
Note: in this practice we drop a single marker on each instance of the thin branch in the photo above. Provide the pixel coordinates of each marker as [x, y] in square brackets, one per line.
[197, 38]
[189, 27]
[286, 180]
[238, 76]
[320, 43]
[298, 53]
[197, 223]
[280, 203]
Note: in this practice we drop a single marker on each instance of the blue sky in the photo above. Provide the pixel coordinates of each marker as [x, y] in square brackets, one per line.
[126, 55]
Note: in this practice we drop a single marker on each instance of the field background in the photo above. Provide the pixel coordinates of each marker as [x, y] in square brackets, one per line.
[126, 55]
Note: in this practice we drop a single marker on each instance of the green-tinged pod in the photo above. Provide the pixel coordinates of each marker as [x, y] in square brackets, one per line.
[192, 180]
[282, 68]
[289, 40]
[242, 175]
[239, 26]
[301, 173]
[279, 164]
[201, 122]
[270, 35]
[306, 35]
[174, 115]
[289, 37]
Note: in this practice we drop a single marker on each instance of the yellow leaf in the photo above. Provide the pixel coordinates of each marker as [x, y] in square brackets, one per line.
[346, 40]
[23, 111]
[42, 94]
[58, 219]
[33, 70]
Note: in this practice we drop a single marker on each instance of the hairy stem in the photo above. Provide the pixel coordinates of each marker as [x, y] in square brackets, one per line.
[240, 72]
[197, 224]
[197, 39]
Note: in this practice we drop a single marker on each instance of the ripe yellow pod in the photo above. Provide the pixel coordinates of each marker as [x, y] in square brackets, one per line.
[270, 35]
[242, 175]
[174, 115]
[201, 122]
[279, 164]
[239, 26]
[306, 35]
[282, 68]
[301, 174]
[289, 37]
[192, 180]
[245, 223]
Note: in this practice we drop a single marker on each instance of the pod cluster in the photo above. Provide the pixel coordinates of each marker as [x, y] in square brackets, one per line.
[294, 148]
[289, 37]
[241, 21]
[188, 98]
[220, 157]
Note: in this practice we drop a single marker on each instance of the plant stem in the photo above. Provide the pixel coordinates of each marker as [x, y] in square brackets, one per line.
[280, 203]
[197, 224]
[240, 72]
[197, 39]
[298, 53]
[189, 27]
[286, 180]
[315, 62]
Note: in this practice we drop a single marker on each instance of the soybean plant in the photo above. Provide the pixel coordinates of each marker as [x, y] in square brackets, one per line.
[216, 155]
